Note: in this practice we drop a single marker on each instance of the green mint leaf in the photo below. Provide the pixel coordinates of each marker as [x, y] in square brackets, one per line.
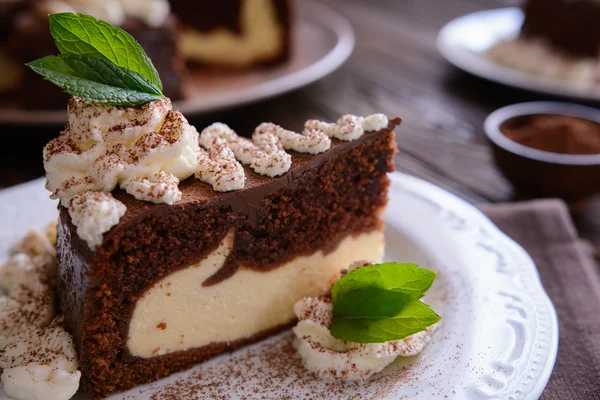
[370, 302]
[84, 35]
[71, 76]
[405, 278]
[415, 317]
[379, 303]
[105, 72]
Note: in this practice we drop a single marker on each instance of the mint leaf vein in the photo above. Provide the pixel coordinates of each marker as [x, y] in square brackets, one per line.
[84, 35]
[415, 317]
[379, 303]
[99, 62]
[76, 82]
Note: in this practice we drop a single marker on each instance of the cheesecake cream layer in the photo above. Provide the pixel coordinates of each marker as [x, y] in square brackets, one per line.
[178, 313]
[262, 37]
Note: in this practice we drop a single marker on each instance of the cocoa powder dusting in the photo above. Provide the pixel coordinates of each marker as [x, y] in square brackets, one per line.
[554, 133]
[273, 370]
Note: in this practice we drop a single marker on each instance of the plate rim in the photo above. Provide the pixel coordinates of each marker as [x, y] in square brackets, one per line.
[449, 202]
[493, 72]
[420, 186]
[308, 11]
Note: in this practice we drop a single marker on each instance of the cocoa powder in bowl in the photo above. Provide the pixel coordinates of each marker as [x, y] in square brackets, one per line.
[554, 133]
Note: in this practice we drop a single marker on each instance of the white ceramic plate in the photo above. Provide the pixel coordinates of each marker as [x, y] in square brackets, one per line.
[323, 39]
[497, 340]
[464, 40]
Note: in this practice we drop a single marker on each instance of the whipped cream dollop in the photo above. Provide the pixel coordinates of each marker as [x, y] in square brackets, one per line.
[349, 127]
[28, 297]
[144, 150]
[147, 151]
[337, 359]
[37, 355]
[151, 12]
[104, 146]
[40, 364]
[218, 165]
[94, 213]
[159, 188]
[538, 57]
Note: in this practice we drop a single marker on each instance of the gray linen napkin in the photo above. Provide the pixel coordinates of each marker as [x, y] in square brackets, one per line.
[572, 279]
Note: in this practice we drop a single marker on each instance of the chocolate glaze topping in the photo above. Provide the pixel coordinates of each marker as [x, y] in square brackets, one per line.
[246, 200]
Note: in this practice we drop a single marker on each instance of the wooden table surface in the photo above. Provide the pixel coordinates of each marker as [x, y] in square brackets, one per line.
[396, 70]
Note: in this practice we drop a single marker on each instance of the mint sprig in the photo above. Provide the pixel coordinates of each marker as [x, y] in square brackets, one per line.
[84, 35]
[379, 303]
[99, 62]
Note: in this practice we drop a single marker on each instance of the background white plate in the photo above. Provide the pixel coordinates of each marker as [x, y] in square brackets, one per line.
[497, 339]
[322, 40]
[464, 40]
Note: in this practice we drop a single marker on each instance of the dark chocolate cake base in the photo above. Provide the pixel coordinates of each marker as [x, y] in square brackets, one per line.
[322, 200]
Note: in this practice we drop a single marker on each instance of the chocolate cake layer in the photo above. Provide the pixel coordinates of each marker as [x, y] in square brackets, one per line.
[570, 25]
[31, 39]
[322, 200]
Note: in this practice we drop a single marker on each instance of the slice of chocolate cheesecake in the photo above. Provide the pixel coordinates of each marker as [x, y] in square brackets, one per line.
[175, 246]
[235, 33]
[173, 285]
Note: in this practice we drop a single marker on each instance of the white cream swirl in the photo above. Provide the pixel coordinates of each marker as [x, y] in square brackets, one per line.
[40, 364]
[151, 12]
[265, 153]
[159, 188]
[349, 127]
[103, 146]
[217, 165]
[28, 299]
[37, 355]
[94, 213]
[337, 359]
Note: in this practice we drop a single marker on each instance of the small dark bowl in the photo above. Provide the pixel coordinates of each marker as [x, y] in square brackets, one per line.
[537, 173]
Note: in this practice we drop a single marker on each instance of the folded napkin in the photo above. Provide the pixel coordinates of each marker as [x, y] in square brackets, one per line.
[572, 280]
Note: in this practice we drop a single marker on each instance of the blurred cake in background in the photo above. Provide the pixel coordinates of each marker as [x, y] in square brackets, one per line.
[8, 9]
[10, 74]
[559, 39]
[223, 34]
[235, 33]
